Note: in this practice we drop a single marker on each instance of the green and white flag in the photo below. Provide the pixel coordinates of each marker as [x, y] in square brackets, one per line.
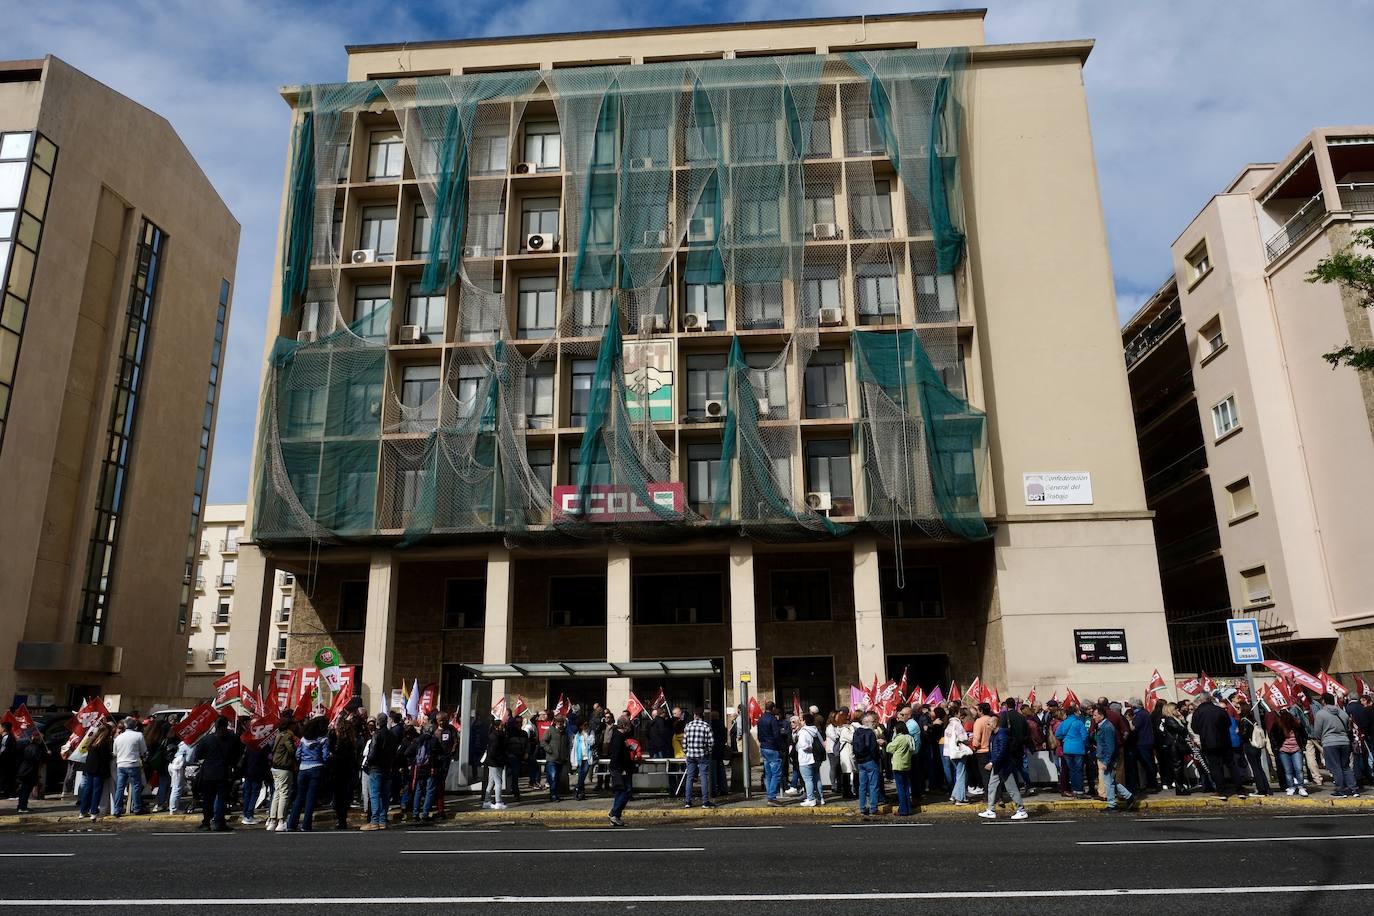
[330, 664]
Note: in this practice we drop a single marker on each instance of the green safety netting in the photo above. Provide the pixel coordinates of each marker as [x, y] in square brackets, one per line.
[754, 188]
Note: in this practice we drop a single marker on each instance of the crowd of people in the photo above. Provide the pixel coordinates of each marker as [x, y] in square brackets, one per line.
[971, 754]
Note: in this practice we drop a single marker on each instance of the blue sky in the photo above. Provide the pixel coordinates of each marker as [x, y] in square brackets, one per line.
[1181, 92]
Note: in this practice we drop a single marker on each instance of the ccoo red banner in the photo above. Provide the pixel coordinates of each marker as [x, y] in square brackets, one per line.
[197, 722]
[227, 690]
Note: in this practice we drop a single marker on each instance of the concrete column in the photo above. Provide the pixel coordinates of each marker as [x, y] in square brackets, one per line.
[379, 639]
[250, 614]
[496, 634]
[868, 610]
[744, 643]
[619, 624]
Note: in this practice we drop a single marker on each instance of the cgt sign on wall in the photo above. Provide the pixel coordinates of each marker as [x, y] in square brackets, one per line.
[618, 503]
[1059, 488]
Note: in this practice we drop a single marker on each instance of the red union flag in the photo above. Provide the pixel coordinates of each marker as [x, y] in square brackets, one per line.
[251, 702]
[227, 690]
[954, 695]
[90, 715]
[20, 719]
[340, 701]
[562, 707]
[1071, 698]
[500, 711]
[1192, 686]
[197, 722]
[633, 707]
[974, 694]
[521, 707]
[1361, 687]
[1030, 697]
[1296, 673]
[1276, 696]
[619, 503]
[1332, 686]
[1207, 683]
[755, 712]
[428, 694]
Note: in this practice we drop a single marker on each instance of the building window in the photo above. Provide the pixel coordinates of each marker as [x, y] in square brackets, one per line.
[768, 378]
[385, 153]
[703, 467]
[284, 613]
[425, 311]
[757, 219]
[759, 305]
[825, 387]
[593, 310]
[1211, 337]
[490, 153]
[218, 648]
[919, 597]
[872, 211]
[92, 617]
[541, 466]
[539, 395]
[228, 573]
[222, 612]
[480, 314]
[862, 136]
[465, 604]
[1254, 585]
[936, 301]
[486, 233]
[538, 307]
[537, 214]
[1224, 416]
[800, 594]
[370, 313]
[353, 604]
[820, 289]
[1199, 263]
[1241, 496]
[26, 167]
[231, 539]
[377, 232]
[647, 143]
[876, 294]
[705, 299]
[419, 385]
[600, 472]
[420, 228]
[818, 206]
[828, 471]
[679, 598]
[280, 654]
[705, 382]
[583, 371]
[543, 145]
[577, 601]
[412, 486]
[818, 144]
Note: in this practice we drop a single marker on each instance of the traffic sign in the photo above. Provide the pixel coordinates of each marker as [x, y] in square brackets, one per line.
[1245, 641]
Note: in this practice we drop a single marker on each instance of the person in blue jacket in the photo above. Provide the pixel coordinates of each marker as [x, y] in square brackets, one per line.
[1108, 752]
[1073, 737]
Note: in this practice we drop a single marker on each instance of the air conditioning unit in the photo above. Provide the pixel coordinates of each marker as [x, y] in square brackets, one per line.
[831, 315]
[660, 322]
[701, 229]
[655, 239]
[694, 321]
[474, 251]
[825, 231]
[305, 337]
[410, 334]
[715, 410]
[526, 168]
[819, 501]
[562, 618]
[364, 255]
[763, 406]
[643, 162]
[541, 241]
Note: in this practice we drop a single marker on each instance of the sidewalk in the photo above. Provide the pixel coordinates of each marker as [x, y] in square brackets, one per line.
[49, 814]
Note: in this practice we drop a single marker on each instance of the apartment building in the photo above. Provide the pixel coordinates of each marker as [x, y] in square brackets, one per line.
[1256, 454]
[117, 262]
[602, 351]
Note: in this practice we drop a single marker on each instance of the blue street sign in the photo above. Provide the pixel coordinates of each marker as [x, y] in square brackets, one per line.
[1245, 641]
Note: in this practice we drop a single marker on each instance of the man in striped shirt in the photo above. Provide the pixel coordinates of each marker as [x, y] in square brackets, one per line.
[697, 744]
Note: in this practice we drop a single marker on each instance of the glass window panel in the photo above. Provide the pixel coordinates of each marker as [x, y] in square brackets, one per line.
[490, 153]
[538, 214]
[427, 311]
[369, 303]
[11, 183]
[539, 396]
[583, 370]
[36, 197]
[705, 382]
[385, 154]
[760, 304]
[7, 219]
[819, 204]
[29, 229]
[543, 145]
[419, 234]
[703, 464]
[21, 271]
[419, 384]
[538, 306]
[15, 146]
[541, 465]
[769, 381]
[378, 231]
[45, 154]
[825, 385]
[708, 298]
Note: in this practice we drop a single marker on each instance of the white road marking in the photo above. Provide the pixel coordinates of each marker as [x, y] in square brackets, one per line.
[36, 855]
[840, 826]
[452, 831]
[769, 827]
[1007, 822]
[1229, 839]
[960, 895]
[596, 829]
[523, 852]
[1157, 820]
[67, 835]
[1314, 816]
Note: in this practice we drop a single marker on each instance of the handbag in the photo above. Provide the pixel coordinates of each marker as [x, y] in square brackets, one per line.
[1258, 739]
[960, 751]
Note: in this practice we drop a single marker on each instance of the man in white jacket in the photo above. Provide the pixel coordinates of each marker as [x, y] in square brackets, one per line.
[129, 751]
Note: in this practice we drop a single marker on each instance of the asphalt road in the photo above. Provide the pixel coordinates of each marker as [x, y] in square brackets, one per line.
[1257, 864]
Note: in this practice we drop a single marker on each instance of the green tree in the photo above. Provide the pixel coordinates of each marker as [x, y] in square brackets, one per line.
[1351, 268]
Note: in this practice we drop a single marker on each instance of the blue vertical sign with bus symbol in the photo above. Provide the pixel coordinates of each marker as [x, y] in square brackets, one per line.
[1245, 640]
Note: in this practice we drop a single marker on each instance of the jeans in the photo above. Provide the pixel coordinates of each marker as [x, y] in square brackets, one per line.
[1074, 762]
[132, 777]
[870, 785]
[376, 798]
[251, 789]
[89, 802]
[958, 779]
[902, 779]
[177, 780]
[582, 768]
[811, 778]
[1338, 761]
[622, 796]
[422, 798]
[772, 772]
[26, 786]
[1111, 789]
[212, 796]
[307, 785]
[1291, 761]
[552, 770]
[164, 788]
[698, 768]
[997, 781]
[495, 779]
[281, 795]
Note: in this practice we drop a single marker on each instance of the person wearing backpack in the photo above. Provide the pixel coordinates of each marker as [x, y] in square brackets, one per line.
[625, 756]
[378, 755]
[424, 756]
[867, 747]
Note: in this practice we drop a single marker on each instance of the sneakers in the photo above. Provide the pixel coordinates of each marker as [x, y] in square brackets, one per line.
[960, 804]
[248, 820]
[616, 822]
[1290, 791]
[499, 806]
[709, 805]
[371, 826]
[988, 813]
[1020, 815]
[809, 803]
[792, 791]
[1302, 793]
[281, 827]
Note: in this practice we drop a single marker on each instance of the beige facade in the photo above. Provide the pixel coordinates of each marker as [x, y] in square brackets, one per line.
[120, 268]
[1035, 344]
[1286, 445]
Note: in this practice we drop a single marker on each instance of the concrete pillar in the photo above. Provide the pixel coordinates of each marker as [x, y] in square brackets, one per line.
[744, 643]
[619, 624]
[868, 611]
[250, 614]
[496, 633]
[379, 639]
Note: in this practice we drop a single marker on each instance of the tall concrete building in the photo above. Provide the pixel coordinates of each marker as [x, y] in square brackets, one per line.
[118, 260]
[1257, 456]
[749, 344]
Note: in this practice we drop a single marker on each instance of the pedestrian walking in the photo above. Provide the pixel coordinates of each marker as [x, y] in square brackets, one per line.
[624, 752]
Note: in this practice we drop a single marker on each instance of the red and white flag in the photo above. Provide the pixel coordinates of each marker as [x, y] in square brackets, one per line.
[659, 700]
[428, 694]
[500, 711]
[1332, 686]
[19, 719]
[197, 722]
[1192, 686]
[251, 702]
[227, 690]
[901, 685]
[1207, 683]
[340, 701]
[634, 708]
[1071, 698]
[796, 704]
[1361, 687]
[563, 707]
[954, 695]
[1302, 677]
[520, 707]
[755, 712]
[1276, 696]
[90, 715]
[918, 697]
[991, 695]
[974, 694]
[1030, 697]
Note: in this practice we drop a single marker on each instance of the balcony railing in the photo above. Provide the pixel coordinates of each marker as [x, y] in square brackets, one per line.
[1176, 553]
[1297, 227]
[229, 545]
[1358, 197]
[1152, 333]
[1176, 472]
[224, 581]
[200, 583]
